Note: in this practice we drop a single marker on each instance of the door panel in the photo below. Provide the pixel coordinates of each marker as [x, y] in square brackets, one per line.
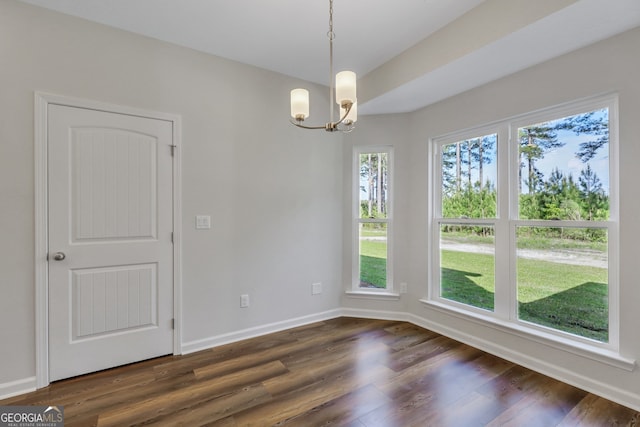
[110, 214]
[114, 185]
[113, 299]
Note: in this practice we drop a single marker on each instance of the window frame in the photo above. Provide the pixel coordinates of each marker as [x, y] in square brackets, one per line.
[507, 221]
[357, 220]
[435, 152]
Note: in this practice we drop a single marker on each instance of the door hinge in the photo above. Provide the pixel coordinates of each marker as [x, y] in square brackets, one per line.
[172, 237]
[173, 323]
[173, 149]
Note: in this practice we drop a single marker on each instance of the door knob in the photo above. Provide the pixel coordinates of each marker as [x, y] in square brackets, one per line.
[59, 256]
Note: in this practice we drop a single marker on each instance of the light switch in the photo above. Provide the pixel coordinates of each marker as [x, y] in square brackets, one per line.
[203, 222]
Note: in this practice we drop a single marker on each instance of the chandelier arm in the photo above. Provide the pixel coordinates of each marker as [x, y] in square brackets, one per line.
[331, 126]
[307, 127]
[347, 111]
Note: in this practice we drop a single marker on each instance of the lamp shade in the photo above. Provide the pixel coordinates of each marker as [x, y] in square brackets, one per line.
[345, 87]
[299, 104]
[352, 117]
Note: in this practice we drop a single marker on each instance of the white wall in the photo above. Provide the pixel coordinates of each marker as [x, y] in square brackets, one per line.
[608, 66]
[274, 192]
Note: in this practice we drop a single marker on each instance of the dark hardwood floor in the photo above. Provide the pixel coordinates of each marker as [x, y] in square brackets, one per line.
[341, 372]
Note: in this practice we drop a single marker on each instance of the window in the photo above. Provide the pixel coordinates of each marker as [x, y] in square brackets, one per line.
[467, 226]
[524, 222]
[372, 220]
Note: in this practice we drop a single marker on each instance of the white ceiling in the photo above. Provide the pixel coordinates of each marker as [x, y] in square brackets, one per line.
[289, 36]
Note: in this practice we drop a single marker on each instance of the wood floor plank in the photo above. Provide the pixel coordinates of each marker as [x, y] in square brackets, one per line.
[472, 409]
[297, 402]
[205, 412]
[339, 372]
[414, 409]
[547, 407]
[483, 369]
[302, 375]
[595, 411]
[100, 403]
[78, 388]
[193, 394]
[424, 375]
[90, 420]
[347, 350]
[407, 357]
[302, 345]
[511, 386]
[342, 411]
[407, 335]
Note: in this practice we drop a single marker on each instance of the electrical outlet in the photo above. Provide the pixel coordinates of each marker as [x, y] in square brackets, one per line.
[244, 301]
[403, 288]
[316, 288]
[203, 222]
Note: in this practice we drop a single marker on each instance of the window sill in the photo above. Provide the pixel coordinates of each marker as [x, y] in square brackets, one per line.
[377, 295]
[603, 355]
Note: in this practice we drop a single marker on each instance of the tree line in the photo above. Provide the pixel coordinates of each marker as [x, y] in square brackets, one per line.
[374, 182]
[466, 193]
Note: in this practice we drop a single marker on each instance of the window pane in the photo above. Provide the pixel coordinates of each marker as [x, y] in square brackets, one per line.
[564, 168]
[373, 255]
[469, 177]
[467, 265]
[563, 279]
[374, 181]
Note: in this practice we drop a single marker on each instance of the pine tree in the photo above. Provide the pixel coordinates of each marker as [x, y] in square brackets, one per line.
[535, 142]
[594, 124]
[592, 194]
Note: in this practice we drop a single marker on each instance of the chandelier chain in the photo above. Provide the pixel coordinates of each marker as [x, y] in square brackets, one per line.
[331, 36]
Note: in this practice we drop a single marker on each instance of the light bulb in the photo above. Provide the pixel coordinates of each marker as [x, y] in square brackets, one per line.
[345, 87]
[299, 104]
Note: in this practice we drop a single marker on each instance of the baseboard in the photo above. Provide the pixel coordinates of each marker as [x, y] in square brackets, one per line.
[218, 340]
[17, 387]
[377, 314]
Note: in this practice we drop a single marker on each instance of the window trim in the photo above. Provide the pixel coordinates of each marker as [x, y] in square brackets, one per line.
[505, 312]
[355, 290]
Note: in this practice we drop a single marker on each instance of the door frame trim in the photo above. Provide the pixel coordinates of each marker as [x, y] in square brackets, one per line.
[42, 102]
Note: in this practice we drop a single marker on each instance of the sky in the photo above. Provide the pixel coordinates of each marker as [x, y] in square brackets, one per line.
[563, 158]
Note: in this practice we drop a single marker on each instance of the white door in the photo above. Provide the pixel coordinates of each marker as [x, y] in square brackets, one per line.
[110, 239]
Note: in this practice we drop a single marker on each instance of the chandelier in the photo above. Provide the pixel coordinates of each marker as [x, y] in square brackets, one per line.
[345, 95]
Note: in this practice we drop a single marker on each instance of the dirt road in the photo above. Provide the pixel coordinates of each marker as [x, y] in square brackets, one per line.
[564, 256]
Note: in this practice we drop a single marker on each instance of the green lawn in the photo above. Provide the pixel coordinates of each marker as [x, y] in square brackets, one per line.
[468, 278]
[373, 264]
[566, 297]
